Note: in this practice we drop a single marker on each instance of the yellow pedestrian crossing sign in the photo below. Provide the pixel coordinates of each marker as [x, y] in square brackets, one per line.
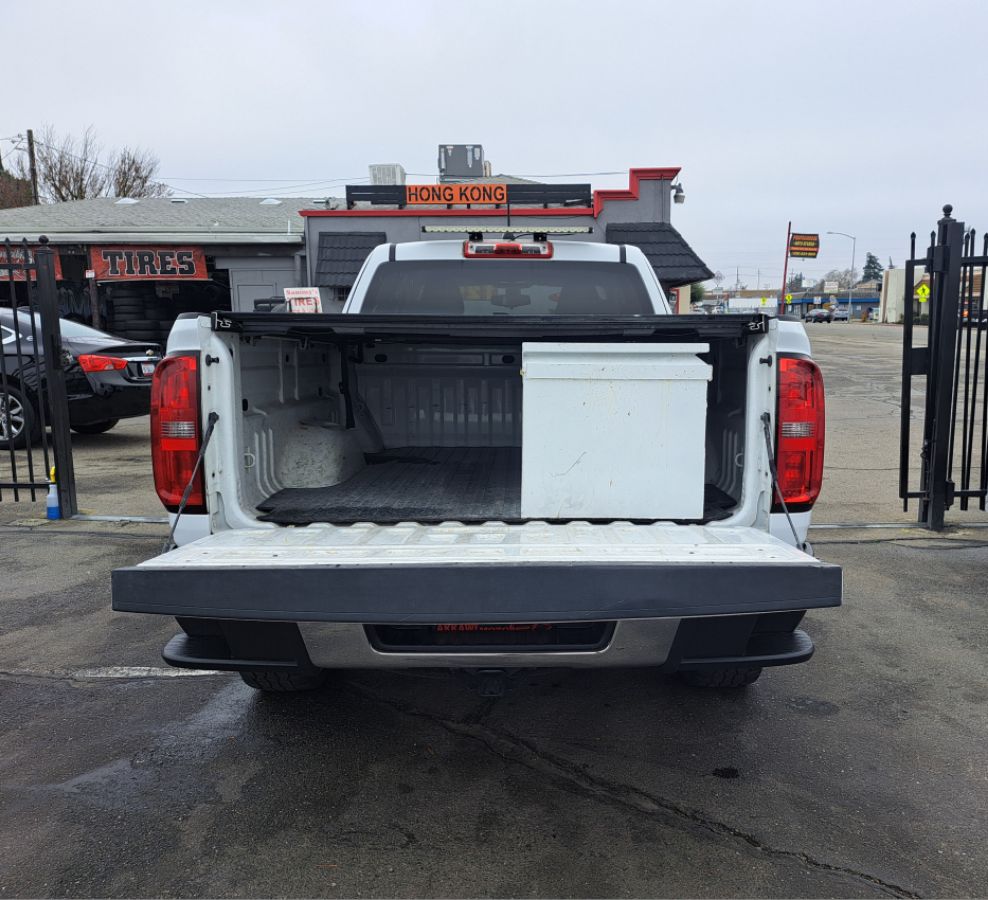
[788, 299]
[923, 293]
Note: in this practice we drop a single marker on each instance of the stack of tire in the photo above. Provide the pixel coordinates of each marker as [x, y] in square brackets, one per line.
[138, 314]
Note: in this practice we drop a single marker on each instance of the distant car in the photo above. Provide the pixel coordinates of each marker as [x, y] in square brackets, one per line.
[819, 315]
[107, 378]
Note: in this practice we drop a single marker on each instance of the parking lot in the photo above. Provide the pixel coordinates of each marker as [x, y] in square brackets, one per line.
[860, 773]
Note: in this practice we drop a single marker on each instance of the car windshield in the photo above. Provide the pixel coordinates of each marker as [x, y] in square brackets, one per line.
[515, 287]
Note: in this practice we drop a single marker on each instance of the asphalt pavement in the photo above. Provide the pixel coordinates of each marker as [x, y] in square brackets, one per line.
[859, 773]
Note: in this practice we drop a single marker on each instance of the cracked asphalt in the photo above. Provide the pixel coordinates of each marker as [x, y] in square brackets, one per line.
[863, 773]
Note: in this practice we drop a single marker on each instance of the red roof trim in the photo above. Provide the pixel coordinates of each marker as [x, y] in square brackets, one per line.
[635, 177]
[463, 213]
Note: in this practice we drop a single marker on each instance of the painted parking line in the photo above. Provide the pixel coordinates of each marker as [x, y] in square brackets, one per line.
[111, 673]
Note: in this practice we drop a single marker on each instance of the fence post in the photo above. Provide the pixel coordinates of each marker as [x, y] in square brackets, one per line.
[55, 378]
[940, 388]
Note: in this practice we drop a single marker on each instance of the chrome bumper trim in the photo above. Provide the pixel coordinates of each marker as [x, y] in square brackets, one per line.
[635, 642]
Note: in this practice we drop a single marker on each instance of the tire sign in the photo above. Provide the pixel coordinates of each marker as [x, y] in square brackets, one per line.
[135, 262]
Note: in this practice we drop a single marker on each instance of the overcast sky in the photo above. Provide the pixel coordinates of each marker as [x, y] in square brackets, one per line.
[862, 117]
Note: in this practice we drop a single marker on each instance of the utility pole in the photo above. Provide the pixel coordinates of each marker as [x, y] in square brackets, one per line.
[781, 306]
[33, 164]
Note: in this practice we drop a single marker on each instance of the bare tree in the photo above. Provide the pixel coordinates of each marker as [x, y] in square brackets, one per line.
[133, 174]
[74, 169]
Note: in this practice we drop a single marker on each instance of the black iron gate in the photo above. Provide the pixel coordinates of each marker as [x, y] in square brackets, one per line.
[954, 361]
[34, 414]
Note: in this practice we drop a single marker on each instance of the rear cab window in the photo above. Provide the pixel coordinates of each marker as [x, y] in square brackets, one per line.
[480, 287]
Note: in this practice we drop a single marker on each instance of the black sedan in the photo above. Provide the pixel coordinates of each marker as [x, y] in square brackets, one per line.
[107, 378]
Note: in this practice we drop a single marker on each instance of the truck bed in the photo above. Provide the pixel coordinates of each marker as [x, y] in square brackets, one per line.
[427, 485]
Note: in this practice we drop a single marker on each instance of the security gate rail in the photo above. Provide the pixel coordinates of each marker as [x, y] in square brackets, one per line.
[954, 448]
[34, 412]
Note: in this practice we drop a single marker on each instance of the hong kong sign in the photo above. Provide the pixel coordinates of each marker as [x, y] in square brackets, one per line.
[459, 194]
[146, 263]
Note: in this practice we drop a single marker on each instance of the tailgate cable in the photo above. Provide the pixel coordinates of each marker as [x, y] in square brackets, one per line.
[170, 542]
[775, 478]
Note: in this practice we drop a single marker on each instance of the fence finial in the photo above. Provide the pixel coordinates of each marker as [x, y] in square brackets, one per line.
[43, 240]
[947, 210]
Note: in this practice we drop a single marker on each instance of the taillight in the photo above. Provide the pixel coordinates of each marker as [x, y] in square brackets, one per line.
[800, 432]
[509, 249]
[93, 362]
[176, 432]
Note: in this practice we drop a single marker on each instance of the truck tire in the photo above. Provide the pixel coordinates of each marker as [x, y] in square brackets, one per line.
[721, 678]
[285, 682]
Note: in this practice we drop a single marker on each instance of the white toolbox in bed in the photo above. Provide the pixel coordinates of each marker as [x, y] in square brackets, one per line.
[613, 431]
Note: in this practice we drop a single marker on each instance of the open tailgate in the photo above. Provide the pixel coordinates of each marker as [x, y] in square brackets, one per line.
[493, 572]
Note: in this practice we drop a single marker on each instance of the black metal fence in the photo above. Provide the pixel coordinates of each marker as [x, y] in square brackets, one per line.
[954, 448]
[34, 415]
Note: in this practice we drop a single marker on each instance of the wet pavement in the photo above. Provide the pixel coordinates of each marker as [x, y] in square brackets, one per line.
[861, 773]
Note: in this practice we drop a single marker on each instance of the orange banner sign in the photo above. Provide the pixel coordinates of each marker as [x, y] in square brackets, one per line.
[804, 246]
[144, 263]
[455, 194]
[17, 258]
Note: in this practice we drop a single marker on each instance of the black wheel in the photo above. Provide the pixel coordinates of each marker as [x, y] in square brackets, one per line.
[285, 682]
[19, 425]
[721, 678]
[95, 427]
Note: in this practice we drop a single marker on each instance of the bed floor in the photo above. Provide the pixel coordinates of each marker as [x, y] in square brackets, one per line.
[412, 484]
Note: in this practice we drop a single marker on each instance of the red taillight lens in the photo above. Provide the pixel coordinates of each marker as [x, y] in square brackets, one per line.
[176, 432]
[801, 427]
[93, 362]
[511, 249]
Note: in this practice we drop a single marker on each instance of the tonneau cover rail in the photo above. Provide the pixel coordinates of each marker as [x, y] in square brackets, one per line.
[335, 327]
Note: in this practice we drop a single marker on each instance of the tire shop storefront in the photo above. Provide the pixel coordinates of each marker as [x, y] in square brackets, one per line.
[132, 266]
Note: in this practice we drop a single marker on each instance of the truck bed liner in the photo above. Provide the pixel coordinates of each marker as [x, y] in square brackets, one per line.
[412, 484]
[427, 485]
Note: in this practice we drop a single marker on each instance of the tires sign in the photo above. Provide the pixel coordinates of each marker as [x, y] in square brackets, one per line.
[303, 300]
[135, 262]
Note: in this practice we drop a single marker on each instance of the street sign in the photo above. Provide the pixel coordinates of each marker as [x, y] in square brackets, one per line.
[788, 299]
[804, 246]
[764, 301]
[923, 293]
[830, 287]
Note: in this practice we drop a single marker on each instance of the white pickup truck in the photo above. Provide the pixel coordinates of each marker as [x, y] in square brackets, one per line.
[500, 454]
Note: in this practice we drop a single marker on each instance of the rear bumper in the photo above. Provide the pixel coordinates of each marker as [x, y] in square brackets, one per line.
[534, 592]
[125, 402]
[672, 644]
